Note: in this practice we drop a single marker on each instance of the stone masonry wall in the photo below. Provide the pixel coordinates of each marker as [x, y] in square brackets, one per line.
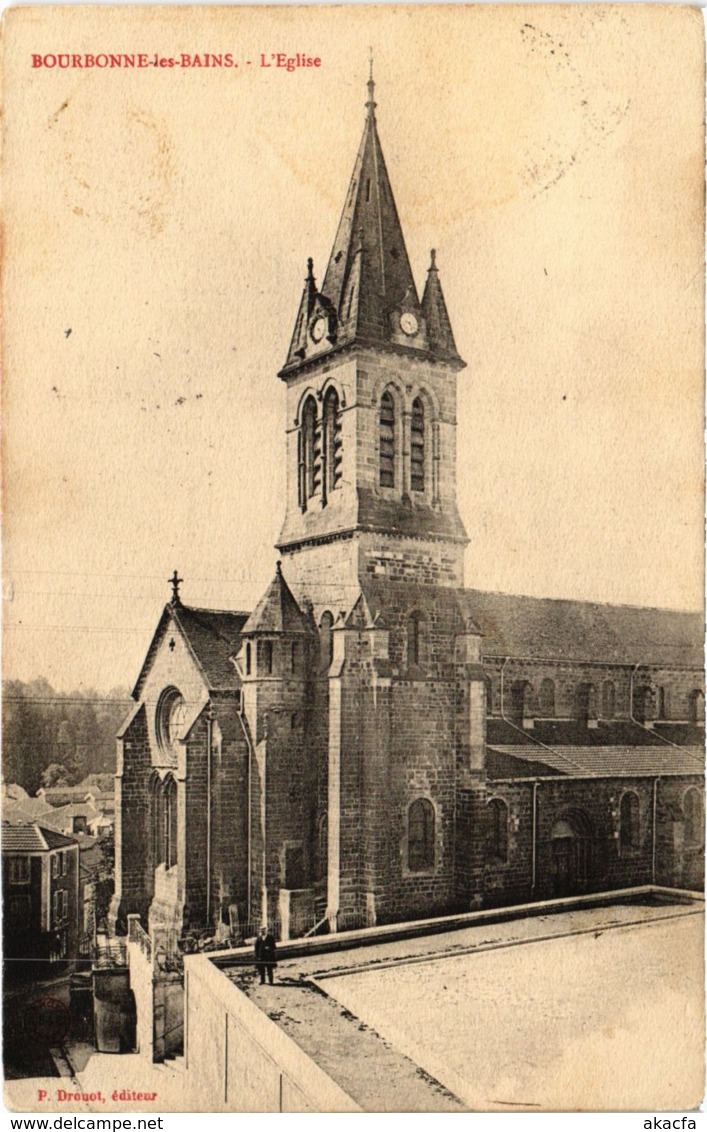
[132, 843]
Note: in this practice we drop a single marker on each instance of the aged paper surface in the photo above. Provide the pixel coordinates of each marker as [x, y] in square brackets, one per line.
[166, 175]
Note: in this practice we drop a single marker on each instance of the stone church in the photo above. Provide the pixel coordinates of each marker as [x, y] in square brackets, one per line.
[375, 742]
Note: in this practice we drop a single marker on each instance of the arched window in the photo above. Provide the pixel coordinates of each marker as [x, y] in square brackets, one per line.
[629, 837]
[697, 706]
[693, 810]
[521, 710]
[414, 638]
[608, 700]
[267, 657]
[308, 454]
[644, 704]
[662, 703]
[546, 703]
[497, 830]
[586, 703]
[417, 446]
[331, 446]
[294, 656]
[171, 716]
[326, 642]
[158, 835]
[170, 824]
[387, 441]
[248, 659]
[421, 836]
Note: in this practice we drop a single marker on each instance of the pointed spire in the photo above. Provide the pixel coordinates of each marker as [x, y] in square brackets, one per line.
[369, 225]
[277, 611]
[368, 285]
[434, 312]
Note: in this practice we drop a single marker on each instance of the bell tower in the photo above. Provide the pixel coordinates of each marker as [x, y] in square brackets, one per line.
[371, 377]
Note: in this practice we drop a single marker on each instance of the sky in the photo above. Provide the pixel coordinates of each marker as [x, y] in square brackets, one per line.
[158, 224]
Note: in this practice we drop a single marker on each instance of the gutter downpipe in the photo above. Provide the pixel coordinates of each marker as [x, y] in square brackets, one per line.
[249, 745]
[534, 858]
[655, 814]
[209, 740]
[263, 819]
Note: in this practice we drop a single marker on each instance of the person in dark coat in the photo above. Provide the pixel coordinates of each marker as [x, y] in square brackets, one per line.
[265, 954]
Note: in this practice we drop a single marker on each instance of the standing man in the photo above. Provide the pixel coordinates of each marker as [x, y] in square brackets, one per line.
[265, 954]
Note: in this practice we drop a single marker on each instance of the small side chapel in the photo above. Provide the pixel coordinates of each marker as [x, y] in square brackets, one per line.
[374, 742]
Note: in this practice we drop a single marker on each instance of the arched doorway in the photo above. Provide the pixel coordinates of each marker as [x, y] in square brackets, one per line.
[571, 850]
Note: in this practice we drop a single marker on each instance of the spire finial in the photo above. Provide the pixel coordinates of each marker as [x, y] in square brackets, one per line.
[278, 568]
[175, 581]
[371, 104]
[433, 260]
[310, 268]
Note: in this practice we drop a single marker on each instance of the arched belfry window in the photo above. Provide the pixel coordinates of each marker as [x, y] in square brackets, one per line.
[417, 446]
[331, 445]
[421, 836]
[629, 822]
[308, 454]
[387, 440]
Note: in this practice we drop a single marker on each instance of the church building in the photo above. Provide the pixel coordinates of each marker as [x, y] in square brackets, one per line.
[375, 742]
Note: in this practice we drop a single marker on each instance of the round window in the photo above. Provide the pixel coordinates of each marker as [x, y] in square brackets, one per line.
[171, 714]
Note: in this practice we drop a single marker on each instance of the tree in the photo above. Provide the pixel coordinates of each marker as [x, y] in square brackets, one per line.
[55, 775]
[44, 729]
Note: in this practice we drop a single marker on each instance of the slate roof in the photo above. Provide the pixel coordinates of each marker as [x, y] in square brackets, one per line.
[57, 796]
[605, 762]
[56, 840]
[58, 817]
[277, 611]
[558, 629]
[213, 636]
[33, 807]
[32, 838]
[16, 814]
[558, 733]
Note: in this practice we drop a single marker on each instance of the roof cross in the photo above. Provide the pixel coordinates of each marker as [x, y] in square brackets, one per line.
[175, 581]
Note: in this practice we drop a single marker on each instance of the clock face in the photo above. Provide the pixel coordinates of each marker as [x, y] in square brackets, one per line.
[408, 323]
[318, 328]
